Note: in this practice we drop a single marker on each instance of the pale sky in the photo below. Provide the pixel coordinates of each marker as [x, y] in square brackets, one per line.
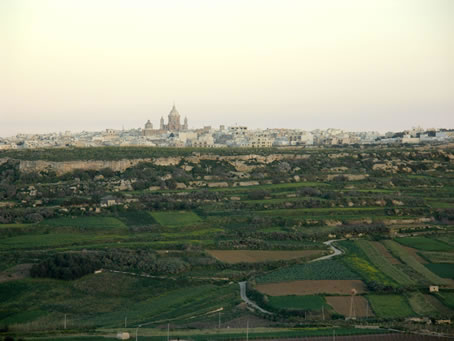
[350, 64]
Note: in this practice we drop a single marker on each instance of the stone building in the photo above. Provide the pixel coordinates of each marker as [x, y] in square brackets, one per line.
[148, 131]
[174, 123]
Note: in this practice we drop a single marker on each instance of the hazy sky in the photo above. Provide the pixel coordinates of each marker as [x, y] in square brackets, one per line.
[351, 64]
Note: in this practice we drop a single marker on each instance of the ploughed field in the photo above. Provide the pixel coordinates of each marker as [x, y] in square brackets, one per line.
[170, 237]
[356, 306]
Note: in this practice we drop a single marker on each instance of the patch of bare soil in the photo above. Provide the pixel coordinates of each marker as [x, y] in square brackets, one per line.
[342, 304]
[385, 253]
[414, 253]
[17, 272]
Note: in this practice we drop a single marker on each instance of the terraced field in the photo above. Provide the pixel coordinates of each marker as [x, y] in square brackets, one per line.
[429, 276]
[186, 245]
[310, 287]
[176, 218]
[323, 270]
[428, 305]
[90, 302]
[348, 307]
[391, 306]
[357, 261]
[426, 244]
[383, 263]
[443, 270]
[256, 256]
[309, 302]
[88, 223]
[439, 257]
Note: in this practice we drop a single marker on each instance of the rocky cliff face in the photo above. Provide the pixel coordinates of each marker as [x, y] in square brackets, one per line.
[239, 162]
[68, 166]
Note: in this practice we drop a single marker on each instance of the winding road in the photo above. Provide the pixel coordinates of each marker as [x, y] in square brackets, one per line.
[248, 301]
[336, 252]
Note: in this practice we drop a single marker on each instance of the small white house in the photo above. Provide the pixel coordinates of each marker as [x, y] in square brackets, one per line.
[123, 336]
[433, 288]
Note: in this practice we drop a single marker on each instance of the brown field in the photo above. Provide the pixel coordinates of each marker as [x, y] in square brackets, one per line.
[414, 253]
[341, 305]
[256, 256]
[309, 287]
[385, 253]
[17, 272]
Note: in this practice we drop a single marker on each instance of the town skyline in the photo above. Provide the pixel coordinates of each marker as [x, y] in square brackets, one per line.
[177, 132]
[43, 127]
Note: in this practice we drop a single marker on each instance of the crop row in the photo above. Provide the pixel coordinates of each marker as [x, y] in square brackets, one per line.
[383, 264]
[411, 261]
[329, 269]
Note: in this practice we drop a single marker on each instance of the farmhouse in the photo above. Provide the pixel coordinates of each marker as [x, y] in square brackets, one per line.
[123, 336]
[108, 201]
[433, 288]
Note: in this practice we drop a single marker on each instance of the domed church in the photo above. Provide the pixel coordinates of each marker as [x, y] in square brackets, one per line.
[173, 124]
[174, 121]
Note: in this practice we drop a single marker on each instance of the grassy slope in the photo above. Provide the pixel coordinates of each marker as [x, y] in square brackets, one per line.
[411, 261]
[358, 261]
[104, 300]
[390, 306]
[423, 243]
[443, 270]
[329, 269]
[176, 218]
[309, 302]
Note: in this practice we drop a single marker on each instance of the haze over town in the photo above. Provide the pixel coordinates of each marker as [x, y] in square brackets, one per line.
[354, 65]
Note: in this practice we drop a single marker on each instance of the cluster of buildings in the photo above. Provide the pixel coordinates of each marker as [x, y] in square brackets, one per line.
[175, 133]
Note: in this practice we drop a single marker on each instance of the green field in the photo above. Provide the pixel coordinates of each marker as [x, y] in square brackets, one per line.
[444, 270]
[411, 261]
[137, 218]
[383, 264]
[329, 269]
[439, 257]
[89, 223]
[447, 297]
[56, 240]
[423, 243]
[357, 260]
[239, 333]
[390, 306]
[54, 227]
[292, 302]
[176, 218]
[90, 302]
[15, 226]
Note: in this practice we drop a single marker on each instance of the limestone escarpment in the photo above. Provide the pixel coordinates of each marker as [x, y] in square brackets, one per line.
[242, 163]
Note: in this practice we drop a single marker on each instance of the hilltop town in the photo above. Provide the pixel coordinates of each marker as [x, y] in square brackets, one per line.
[177, 134]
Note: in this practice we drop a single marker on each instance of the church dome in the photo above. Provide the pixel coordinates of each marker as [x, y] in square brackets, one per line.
[148, 125]
[174, 112]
